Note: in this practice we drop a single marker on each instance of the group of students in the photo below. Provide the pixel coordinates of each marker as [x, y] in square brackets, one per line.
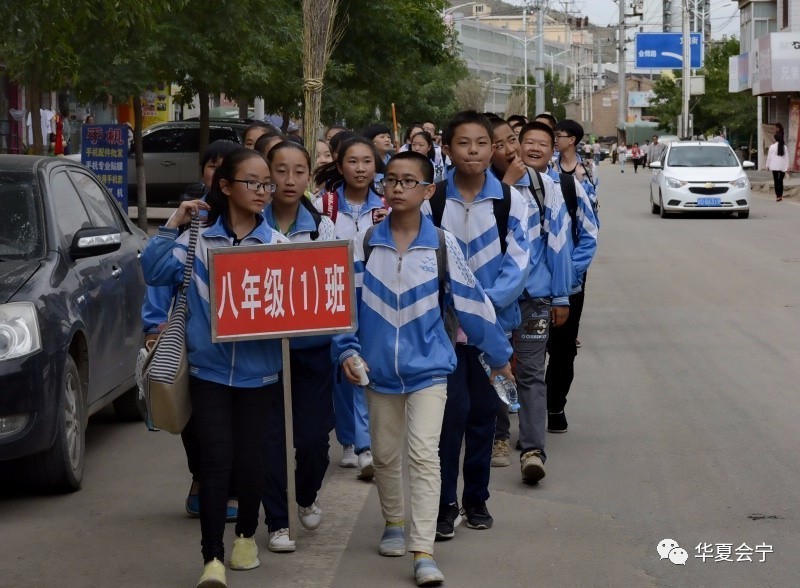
[452, 279]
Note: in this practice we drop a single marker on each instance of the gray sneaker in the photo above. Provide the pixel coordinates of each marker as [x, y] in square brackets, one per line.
[532, 466]
[393, 542]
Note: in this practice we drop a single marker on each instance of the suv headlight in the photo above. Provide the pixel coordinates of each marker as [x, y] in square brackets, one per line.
[673, 183]
[19, 330]
[740, 183]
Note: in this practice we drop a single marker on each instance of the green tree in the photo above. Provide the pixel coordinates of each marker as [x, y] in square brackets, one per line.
[717, 108]
[556, 94]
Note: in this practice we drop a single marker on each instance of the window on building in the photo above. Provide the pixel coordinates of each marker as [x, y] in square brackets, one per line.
[785, 23]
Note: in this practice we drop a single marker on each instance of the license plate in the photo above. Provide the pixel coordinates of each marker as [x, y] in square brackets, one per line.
[709, 202]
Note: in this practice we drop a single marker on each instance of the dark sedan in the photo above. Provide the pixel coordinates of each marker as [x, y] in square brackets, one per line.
[71, 290]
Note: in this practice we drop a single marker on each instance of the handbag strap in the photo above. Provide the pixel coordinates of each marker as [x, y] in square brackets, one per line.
[188, 268]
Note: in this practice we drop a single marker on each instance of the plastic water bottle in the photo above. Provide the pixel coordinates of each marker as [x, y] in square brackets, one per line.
[361, 370]
[505, 388]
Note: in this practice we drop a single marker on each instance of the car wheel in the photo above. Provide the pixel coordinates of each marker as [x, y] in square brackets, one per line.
[661, 206]
[743, 214]
[654, 208]
[129, 407]
[60, 468]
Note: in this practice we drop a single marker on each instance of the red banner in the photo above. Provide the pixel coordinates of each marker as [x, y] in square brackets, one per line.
[287, 290]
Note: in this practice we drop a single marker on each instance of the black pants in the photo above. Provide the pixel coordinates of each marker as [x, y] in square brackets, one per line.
[562, 349]
[778, 176]
[637, 161]
[230, 427]
[191, 445]
[312, 422]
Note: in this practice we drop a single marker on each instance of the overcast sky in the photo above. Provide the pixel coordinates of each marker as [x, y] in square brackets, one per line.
[724, 13]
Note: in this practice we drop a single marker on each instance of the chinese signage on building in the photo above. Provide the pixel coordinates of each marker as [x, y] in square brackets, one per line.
[104, 150]
[665, 50]
[271, 291]
[776, 68]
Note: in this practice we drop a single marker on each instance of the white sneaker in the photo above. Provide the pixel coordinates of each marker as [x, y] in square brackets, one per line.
[349, 457]
[310, 516]
[365, 469]
[279, 542]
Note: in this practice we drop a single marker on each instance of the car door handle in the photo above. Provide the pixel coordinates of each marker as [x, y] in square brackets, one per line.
[116, 272]
[168, 163]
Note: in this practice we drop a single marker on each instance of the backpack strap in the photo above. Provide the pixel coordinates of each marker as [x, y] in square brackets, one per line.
[330, 204]
[315, 214]
[502, 209]
[538, 191]
[367, 246]
[571, 200]
[437, 202]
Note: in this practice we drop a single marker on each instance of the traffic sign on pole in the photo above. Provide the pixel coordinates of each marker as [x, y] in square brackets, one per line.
[665, 51]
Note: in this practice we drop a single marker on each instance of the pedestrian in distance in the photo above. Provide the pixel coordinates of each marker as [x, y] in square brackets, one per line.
[544, 302]
[353, 205]
[229, 383]
[155, 312]
[623, 157]
[473, 205]
[423, 143]
[413, 129]
[291, 214]
[409, 354]
[778, 161]
[381, 138]
[636, 156]
[596, 152]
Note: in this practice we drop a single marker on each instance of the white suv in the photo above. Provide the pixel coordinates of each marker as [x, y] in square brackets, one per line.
[699, 176]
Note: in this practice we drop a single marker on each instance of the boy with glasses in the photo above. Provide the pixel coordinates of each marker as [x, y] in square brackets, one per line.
[408, 353]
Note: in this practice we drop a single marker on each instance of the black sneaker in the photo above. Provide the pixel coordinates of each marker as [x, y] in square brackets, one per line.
[478, 516]
[556, 422]
[447, 521]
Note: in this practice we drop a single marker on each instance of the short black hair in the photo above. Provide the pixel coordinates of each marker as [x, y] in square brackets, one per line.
[218, 150]
[465, 117]
[261, 143]
[516, 120]
[571, 128]
[425, 165]
[548, 117]
[538, 126]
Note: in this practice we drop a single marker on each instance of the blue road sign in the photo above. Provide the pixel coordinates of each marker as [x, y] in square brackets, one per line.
[665, 51]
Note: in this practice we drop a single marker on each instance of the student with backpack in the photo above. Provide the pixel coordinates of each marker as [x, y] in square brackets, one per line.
[291, 214]
[352, 204]
[407, 273]
[490, 221]
[561, 344]
[545, 300]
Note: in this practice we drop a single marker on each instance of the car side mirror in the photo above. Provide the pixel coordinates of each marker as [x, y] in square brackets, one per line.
[95, 241]
[656, 165]
[748, 165]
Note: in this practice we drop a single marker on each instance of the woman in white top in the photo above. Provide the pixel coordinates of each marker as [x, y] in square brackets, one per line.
[778, 161]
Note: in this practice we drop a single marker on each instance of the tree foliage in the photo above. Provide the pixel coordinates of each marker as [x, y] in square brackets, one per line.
[717, 108]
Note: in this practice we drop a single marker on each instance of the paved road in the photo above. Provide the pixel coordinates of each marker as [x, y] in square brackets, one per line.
[683, 425]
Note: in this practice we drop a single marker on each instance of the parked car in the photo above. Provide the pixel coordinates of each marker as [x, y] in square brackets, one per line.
[71, 291]
[699, 176]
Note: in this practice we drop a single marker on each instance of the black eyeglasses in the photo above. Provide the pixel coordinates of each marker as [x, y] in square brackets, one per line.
[562, 136]
[256, 186]
[407, 183]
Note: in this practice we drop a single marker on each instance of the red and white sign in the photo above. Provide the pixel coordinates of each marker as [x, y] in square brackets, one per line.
[285, 290]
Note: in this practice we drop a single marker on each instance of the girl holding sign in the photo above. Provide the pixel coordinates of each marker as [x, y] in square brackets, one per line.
[230, 383]
[291, 213]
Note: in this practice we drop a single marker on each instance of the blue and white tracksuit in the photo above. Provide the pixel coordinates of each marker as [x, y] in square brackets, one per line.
[247, 364]
[349, 402]
[472, 402]
[312, 404]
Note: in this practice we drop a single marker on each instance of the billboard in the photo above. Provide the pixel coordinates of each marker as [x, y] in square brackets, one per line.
[665, 51]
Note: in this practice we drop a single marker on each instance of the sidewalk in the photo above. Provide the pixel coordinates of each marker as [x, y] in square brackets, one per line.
[761, 181]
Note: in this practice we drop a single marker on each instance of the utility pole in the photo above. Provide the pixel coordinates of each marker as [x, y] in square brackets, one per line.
[540, 107]
[525, 57]
[687, 62]
[623, 99]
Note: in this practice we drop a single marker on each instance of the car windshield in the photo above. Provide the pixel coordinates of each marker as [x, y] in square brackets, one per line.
[702, 156]
[20, 225]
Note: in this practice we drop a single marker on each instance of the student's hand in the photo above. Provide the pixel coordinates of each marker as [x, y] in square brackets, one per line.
[350, 372]
[580, 172]
[378, 214]
[559, 315]
[504, 371]
[185, 213]
[150, 340]
[515, 172]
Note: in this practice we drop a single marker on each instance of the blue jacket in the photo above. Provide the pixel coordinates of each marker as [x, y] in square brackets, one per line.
[582, 253]
[473, 225]
[245, 364]
[550, 273]
[300, 232]
[401, 333]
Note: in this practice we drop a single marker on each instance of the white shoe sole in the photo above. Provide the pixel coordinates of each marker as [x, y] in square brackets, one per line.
[282, 548]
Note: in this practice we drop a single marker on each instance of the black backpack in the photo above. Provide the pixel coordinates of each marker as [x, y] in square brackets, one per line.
[538, 191]
[316, 214]
[571, 200]
[448, 313]
[502, 208]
